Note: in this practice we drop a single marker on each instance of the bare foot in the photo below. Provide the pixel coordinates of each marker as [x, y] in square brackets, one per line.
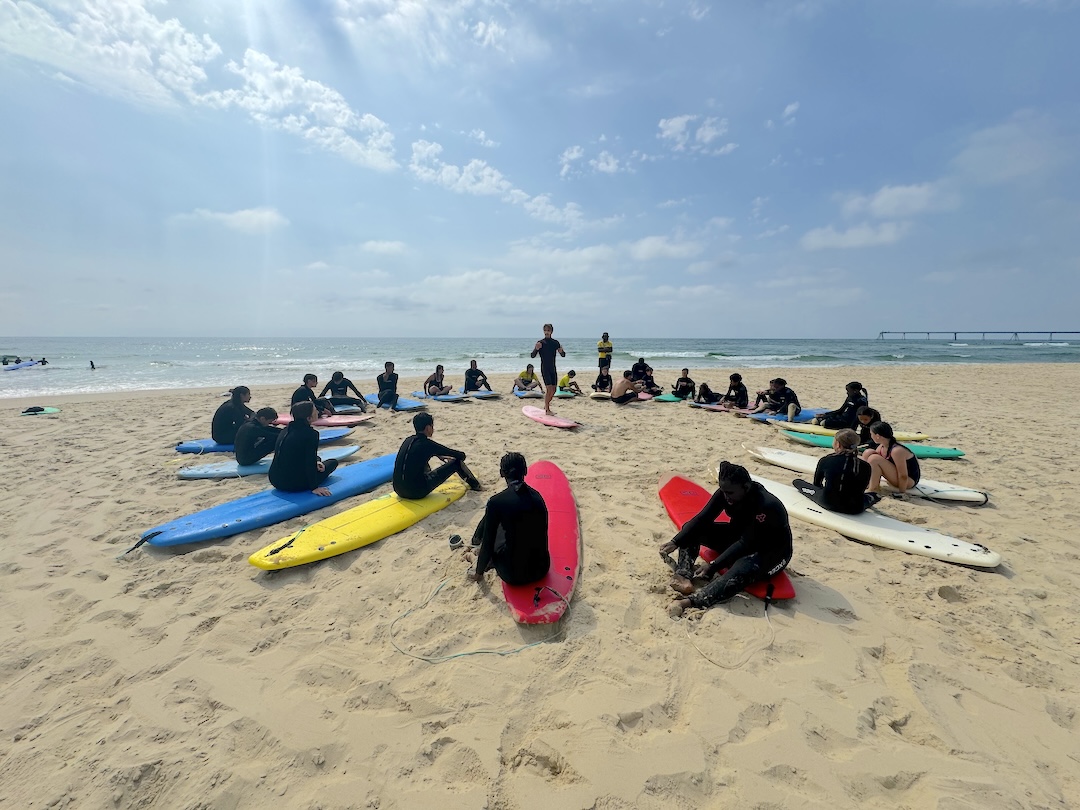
[675, 609]
[682, 585]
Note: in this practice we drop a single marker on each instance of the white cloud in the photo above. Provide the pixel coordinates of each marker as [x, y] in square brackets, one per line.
[248, 220]
[481, 138]
[489, 34]
[568, 157]
[860, 236]
[605, 162]
[1023, 148]
[789, 113]
[698, 11]
[677, 132]
[661, 247]
[384, 248]
[769, 124]
[773, 232]
[673, 203]
[897, 202]
[710, 130]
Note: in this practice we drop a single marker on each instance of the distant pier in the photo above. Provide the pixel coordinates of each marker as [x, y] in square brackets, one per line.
[970, 335]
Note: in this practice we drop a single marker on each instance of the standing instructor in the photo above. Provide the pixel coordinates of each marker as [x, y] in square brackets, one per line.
[546, 348]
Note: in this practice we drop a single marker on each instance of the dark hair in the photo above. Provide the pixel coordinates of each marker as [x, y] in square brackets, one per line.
[866, 410]
[736, 378]
[549, 326]
[513, 466]
[266, 413]
[626, 373]
[641, 359]
[337, 375]
[309, 377]
[848, 440]
[686, 371]
[779, 381]
[387, 364]
[438, 367]
[571, 373]
[421, 421]
[239, 393]
[882, 429]
[302, 410]
[858, 386]
[733, 474]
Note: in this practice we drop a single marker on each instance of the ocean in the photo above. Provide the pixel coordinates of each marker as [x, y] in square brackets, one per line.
[127, 364]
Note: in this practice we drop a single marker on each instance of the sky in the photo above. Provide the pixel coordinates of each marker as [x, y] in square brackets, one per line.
[754, 168]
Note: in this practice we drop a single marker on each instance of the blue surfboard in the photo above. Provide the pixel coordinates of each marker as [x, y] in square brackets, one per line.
[230, 469]
[210, 446]
[442, 397]
[533, 394]
[483, 393]
[403, 403]
[270, 506]
[805, 415]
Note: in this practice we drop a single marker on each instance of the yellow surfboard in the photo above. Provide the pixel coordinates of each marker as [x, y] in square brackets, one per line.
[818, 430]
[353, 528]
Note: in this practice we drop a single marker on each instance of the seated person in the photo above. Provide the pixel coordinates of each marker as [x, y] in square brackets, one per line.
[435, 385]
[754, 546]
[706, 395]
[846, 416]
[603, 380]
[512, 537]
[737, 396]
[779, 399]
[296, 466]
[387, 382]
[231, 415]
[568, 383]
[648, 384]
[257, 437]
[306, 393]
[412, 478]
[625, 390]
[867, 416]
[890, 460]
[526, 380]
[475, 379]
[637, 371]
[684, 387]
[841, 478]
[338, 387]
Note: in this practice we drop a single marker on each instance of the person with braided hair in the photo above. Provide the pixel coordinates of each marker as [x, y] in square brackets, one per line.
[840, 478]
[753, 546]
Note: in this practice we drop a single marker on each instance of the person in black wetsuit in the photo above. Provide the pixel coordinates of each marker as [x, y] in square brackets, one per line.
[753, 546]
[306, 393]
[547, 347]
[296, 466]
[846, 416]
[475, 379]
[435, 385]
[603, 380]
[841, 478]
[737, 396]
[648, 384]
[387, 382]
[779, 399]
[412, 478]
[638, 370]
[684, 387]
[338, 387]
[867, 416]
[231, 415]
[512, 537]
[890, 460]
[257, 437]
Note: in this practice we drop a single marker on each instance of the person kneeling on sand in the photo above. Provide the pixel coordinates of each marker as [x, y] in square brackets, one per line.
[257, 437]
[568, 383]
[412, 478]
[625, 390]
[754, 546]
[296, 466]
[512, 537]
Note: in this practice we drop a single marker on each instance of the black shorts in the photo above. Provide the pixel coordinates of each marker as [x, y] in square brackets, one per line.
[550, 376]
[605, 362]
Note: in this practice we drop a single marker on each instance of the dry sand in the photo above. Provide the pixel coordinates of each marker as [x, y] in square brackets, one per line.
[186, 678]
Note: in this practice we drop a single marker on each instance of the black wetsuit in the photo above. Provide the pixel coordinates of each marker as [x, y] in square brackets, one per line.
[513, 536]
[864, 430]
[603, 382]
[295, 458]
[649, 385]
[305, 394]
[388, 394]
[339, 393]
[707, 396]
[779, 401]
[736, 395]
[474, 379]
[913, 470]
[840, 481]
[412, 478]
[638, 371]
[846, 415]
[685, 388]
[227, 420]
[547, 351]
[254, 441]
[754, 546]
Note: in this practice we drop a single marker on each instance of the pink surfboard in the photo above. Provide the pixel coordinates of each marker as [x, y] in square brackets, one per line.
[683, 499]
[538, 415]
[330, 421]
[536, 603]
[643, 396]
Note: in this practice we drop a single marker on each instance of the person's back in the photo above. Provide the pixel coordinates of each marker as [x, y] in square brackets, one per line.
[843, 477]
[520, 542]
[295, 457]
[412, 479]
[231, 415]
[256, 438]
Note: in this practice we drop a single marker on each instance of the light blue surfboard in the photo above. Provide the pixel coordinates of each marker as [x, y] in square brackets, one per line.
[442, 397]
[210, 446]
[805, 415]
[403, 403]
[230, 469]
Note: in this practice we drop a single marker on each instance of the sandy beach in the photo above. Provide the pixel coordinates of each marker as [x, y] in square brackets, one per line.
[187, 678]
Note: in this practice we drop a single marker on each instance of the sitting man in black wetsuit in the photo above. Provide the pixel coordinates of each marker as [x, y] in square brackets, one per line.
[841, 478]
[779, 399]
[231, 415]
[753, 546]
[846, 416]
[257, 437]
[296, 466]
[737, 396]
[648, 384]
[512, 537]
[306, 393]
[338, 387]
[603, 381]
[638, 370]
[475, 379]
[412, 478]
[684, 387]
[387, 382]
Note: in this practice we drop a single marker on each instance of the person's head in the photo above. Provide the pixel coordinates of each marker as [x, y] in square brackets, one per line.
[626, 374]
[571, 373]
[867, 415]
[438, 369]
[310, 380]
[472, 364]
[304, 413]
[778, 384]
[604, 371]
[424, 423]
[854, 388]
[648, 369]
[389, 367]
[604, 336]
[686, 372]
[241, 394]
[641, 360]
[529, 368]
[512, 467]
[881, 430]
[846, 441]
[266, 415]
[735, 379]
[734, 481]
[548, 329]
[337, 376]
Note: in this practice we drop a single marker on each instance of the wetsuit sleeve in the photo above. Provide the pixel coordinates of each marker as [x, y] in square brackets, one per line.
[437, 449]
[355, 390]
[819, 471]
[487, 541]
[711, 511]
[325, 389]
[311, 457]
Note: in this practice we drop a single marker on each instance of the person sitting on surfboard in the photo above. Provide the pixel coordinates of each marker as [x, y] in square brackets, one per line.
[736, 396]
[625, 390]
[230, 415]
[684, 387]
[306, 393]
[526, 380]
[867, 416]
[296, 466]
[512, 536]
[412, 478]
[890, 460]
[754, 546]
[568, 383]
[840, 478]
[387, 382]
[637, 371]
[603, 381]
[435, 385]
[648, 384]
[779, 399]
[475, 378]
[846, 415]
[257, 437]
[338, 387]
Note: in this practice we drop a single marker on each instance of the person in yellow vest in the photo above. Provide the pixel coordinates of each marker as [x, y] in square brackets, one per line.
[568, 383]
[604, 349]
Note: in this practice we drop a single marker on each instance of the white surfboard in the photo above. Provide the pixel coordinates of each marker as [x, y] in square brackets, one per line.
[874, 527]
[932, 490]
[818, 430]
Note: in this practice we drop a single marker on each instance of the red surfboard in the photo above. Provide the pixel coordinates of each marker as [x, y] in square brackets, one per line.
[536, 603]
[683, 499]
[330, 421]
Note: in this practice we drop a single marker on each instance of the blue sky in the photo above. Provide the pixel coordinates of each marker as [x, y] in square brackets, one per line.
[470, 168]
